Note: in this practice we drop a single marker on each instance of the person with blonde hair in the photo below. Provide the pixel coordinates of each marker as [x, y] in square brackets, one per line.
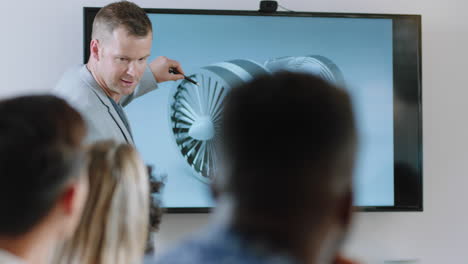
[116, 219]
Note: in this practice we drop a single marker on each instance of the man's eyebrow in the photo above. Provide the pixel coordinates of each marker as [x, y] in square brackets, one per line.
[126, 57]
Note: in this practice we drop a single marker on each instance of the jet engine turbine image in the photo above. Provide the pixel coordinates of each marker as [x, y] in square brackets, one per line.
[196, 110]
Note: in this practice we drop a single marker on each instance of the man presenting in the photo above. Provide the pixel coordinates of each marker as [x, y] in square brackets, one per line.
[117, 71]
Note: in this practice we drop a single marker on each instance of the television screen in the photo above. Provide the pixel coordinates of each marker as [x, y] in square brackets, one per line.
[376, 58]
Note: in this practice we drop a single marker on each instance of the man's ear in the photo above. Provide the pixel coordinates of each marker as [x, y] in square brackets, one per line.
[74, 196]
[68, 199]
[94, 49]
[70, 206]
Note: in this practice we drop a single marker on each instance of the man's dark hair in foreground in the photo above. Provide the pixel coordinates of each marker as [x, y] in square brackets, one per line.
[285, 195]
[43, 185]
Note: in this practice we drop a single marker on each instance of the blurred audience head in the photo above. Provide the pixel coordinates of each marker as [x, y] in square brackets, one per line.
[43, 182]
[289, 142]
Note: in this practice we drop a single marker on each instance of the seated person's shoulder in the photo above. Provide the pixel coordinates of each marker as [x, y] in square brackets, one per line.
[189, 251]
[211, 249]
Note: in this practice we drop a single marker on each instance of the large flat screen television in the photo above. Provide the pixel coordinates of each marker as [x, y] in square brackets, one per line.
[376, 57]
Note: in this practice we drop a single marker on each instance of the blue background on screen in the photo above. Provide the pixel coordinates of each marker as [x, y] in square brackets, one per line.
[360, 47]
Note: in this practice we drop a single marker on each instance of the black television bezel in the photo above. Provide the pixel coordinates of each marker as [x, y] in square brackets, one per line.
[416, 204]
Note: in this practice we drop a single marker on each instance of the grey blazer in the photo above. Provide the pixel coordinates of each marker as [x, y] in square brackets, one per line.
[79, 88]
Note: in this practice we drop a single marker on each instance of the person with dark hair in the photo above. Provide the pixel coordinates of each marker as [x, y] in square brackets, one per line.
[288, 144]
[43, 182]
[117, 71]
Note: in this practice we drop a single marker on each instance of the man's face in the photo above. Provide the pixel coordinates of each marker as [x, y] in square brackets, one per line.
[122, 61]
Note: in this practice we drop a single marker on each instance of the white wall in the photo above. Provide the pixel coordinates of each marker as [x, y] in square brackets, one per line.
[42, 38]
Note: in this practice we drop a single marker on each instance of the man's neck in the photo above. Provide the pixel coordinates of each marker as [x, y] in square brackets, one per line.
[91, 66]
[32, 248]
[303, 247]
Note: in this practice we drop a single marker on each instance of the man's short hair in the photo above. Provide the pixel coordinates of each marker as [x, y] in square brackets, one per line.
[280, 135]
[122, 14]
[40, 151]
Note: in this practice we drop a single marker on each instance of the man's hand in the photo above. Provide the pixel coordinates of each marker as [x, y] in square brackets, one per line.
[160, 69]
